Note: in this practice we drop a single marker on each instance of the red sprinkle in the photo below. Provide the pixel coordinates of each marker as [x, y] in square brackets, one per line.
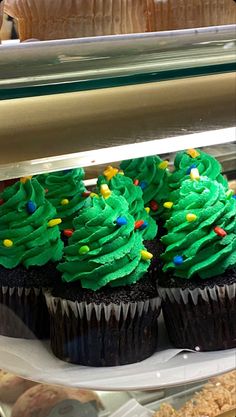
[153, 205]
[1, 201]
[136, 182]
[68, 232]
[220, 232]
[86, 194]
[138, 224]
[46, 190]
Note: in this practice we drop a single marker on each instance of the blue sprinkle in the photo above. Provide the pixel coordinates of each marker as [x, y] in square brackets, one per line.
[144, 225]
[121, 221]
[190, 168]
[234, 196]
[178, 260]
[143, 185]
[31, 207]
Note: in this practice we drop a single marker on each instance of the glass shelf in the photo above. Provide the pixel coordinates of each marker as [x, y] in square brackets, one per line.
[40, 68]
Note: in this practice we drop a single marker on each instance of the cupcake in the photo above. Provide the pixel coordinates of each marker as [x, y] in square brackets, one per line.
[199, 281]
[184, 14]
[57, 19]
[41, 400]
[151, 174]
[30, 247]
[67, 193]
[105, 311]
[123, 186]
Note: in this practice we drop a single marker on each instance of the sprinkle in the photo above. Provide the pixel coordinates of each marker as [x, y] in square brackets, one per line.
[138, 224]
[163, 165]
[31, 207]
[168, 204]
[147, 209]
[121, 172]
[83, 250]
[68, 232]
[136, 182]
[190, 168]
[110, 172]
[191, 217]
[92, 195]
[219, 231]
[194, 174]
[153, 205]
[25, 179]
[1, 201]
[144, 225]
[121, 221]
[54, 222]
[143, 185]
[64, 202]
[178, 260]
[105, 190]
[46, 190]
[193, 153]
[8, 243]
[229, 193]
[234, 196]
[86, 193]
[145, 255]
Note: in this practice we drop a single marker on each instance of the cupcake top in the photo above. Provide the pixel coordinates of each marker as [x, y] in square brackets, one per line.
[184, 161]
[124, 186]
[29, 233]
[201, 239]
[105, 248]
[66, 192]
[151, 174]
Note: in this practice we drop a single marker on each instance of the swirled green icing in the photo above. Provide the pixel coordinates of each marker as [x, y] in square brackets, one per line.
[112, 253]
[147, 170]
[204, 252]
[124, 186]
[33, 242]
[67, 187]
[206, 164]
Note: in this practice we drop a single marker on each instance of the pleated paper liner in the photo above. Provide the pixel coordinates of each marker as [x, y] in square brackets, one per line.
[103, 335]
[200, 319]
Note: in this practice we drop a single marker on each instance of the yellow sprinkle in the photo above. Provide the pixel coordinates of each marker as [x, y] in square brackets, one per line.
[54, 222]
[147, 209]
[25, 179]
[110, 172]
[191, 217]
[168, 204]
[163, 165]
[194, 174]
[121, 172]
[193, 153]
[92, 195]
[145, 255]
[8, 243]
[105, 191]
[64, 202]
[229, 193]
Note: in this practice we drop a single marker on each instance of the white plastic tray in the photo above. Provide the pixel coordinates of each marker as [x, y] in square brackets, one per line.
[167, 367]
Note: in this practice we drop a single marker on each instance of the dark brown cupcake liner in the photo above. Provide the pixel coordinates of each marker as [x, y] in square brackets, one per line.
[103, 335]
[200, 319]
[23, 313]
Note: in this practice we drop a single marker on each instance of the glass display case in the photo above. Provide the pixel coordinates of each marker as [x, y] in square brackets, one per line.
[92, 102]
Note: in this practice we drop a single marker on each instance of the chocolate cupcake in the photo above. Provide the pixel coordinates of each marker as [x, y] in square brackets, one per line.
[151, 174]
[30, 247]
[67, 193]
[105, 313]
[198, 286]
[123, 186]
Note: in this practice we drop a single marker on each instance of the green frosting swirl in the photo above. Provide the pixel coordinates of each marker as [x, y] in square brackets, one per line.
[124, 186]
[33, 242]
[204, 252]
[61, 186]
[206, 164]
[112, 253]
[147, 170]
